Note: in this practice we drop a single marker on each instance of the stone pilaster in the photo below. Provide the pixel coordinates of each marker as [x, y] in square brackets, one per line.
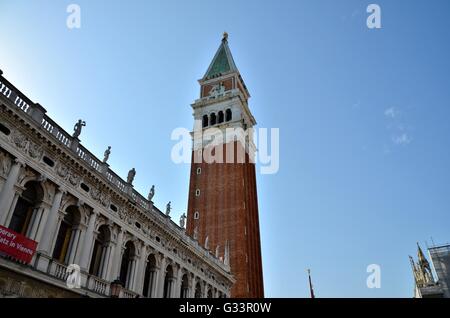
[7, 194]
[51, 224]
[117, 256]
[88, 242]
[160, 279]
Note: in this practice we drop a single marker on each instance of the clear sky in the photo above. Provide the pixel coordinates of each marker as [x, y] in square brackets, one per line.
[363, 116]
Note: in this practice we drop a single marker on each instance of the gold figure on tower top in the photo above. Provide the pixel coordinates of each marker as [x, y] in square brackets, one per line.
[225, 36]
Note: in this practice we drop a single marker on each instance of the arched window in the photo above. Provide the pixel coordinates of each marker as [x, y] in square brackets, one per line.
[196, 215]
[205, 121]
[210, 293]
[228, 115]
[66, 241]
[198, 291]
[168, 282]
[126, 265]
[184, 293]
[26, 207]
[99, 258]
[212, 119]
[220, 117]
[150, 276]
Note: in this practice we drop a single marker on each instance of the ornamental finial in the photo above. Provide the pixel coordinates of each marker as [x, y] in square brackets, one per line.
[225, 37]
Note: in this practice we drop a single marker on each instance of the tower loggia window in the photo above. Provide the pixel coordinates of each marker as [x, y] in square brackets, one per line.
[228, 115]
[212, 119]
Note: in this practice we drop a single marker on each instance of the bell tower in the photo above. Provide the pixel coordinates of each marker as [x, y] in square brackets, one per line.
[223, 204]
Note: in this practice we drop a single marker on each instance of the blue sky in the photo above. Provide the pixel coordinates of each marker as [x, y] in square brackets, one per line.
[363, 116]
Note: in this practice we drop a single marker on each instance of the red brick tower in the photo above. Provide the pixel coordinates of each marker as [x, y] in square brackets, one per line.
[223, 204]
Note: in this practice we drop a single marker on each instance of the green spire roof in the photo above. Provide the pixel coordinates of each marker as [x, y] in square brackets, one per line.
[222, 62]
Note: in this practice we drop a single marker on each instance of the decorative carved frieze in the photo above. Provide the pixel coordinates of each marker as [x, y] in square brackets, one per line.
[26, 146]
[100, 196]
[13, 286]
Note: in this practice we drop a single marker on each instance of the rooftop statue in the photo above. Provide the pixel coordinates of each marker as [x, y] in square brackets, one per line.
[168, 208]
[106, 154]
[131, 175]
[77, 128]
[151, 194]
[182, 220]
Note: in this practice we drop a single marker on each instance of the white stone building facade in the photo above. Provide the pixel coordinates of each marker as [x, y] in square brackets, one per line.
[57, 193]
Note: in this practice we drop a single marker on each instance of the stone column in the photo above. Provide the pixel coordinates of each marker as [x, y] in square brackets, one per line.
[43, 223]
[171, 288]
[160, 279]
[131, 274]
[176, 292]
[35, 222]
[51, 224]
[107, 262]
[188, 292]
[88, 242]
[134, 274]
[103, 256]
[74, 245]
[152, 284]
[12, 207]
[7, 194]
[140, 276]
[204, 290]
[117, 256]
[193, 281]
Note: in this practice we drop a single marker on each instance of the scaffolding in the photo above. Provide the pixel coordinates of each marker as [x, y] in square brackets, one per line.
[440, 257]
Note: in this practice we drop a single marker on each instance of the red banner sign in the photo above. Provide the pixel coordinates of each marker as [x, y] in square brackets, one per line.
[16, 245]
